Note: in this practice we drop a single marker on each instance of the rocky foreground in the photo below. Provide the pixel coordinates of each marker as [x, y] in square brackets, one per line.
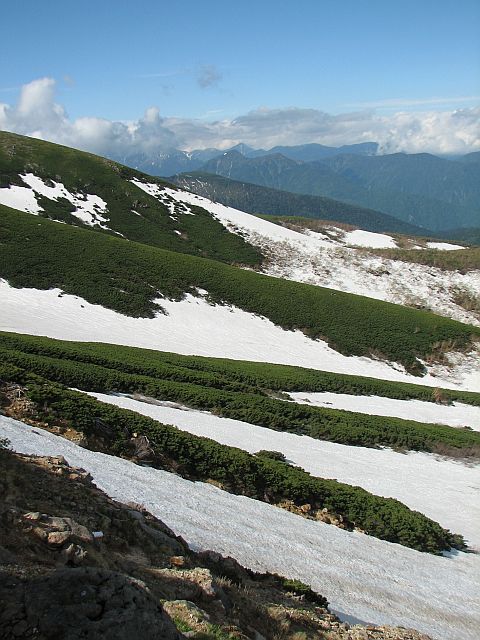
[76, 564]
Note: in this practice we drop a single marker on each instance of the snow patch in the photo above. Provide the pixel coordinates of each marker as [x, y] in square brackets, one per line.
[88, 208]
[20, 198]
[444, 246]
[360, 238]
[234, 219]
[151, 188]
[370, 579]
[456, 415]
[165, 195]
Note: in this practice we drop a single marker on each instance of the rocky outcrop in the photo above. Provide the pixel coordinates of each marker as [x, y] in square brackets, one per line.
[81, 603]
[312, 513]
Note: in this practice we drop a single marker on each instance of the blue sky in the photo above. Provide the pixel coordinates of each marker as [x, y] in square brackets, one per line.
[113, 58]
[212, 60]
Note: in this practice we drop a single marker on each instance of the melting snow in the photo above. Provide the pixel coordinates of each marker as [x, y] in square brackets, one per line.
[445, 484]
[193, 326]
[20, 198]
[165, 195]
[361, 576]
[152, 189]
[360, 238]
[315, 259]
[245, 222]
[88, 208]
[444, 246]
[456, 415]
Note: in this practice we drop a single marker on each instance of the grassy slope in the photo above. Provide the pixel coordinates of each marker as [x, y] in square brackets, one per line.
[462, 260]
[111, 429]
[86, 173]
[100, 369]
[127, 276]
[221, 373]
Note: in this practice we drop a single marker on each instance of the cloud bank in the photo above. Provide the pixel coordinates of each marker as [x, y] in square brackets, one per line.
[37, 114]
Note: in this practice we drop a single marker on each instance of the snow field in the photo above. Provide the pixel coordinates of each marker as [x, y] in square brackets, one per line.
[317, 259]
[455, 415]
[372, 580]
[194, 327]
[443, 490]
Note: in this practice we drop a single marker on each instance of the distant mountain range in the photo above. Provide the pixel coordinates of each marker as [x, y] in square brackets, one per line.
[471, 157]
[423, 190]
[169, 162]
[309, 152]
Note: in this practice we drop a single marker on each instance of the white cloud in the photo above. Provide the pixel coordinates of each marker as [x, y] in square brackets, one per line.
[37, 114]
[397, 103]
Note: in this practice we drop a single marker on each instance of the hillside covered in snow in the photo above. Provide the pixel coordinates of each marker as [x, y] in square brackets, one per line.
[302, 396]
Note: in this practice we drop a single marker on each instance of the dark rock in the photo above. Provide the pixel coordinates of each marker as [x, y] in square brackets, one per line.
[224, 566]
[163, 539]
[7, 556]
[73, 604]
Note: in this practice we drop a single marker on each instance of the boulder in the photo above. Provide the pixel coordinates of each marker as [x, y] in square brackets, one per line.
[70, 604]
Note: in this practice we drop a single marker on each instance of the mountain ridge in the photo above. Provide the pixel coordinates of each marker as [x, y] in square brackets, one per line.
[128, 291]
[132, 213]
[169, 161]
[339, 177]
[264, 200]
